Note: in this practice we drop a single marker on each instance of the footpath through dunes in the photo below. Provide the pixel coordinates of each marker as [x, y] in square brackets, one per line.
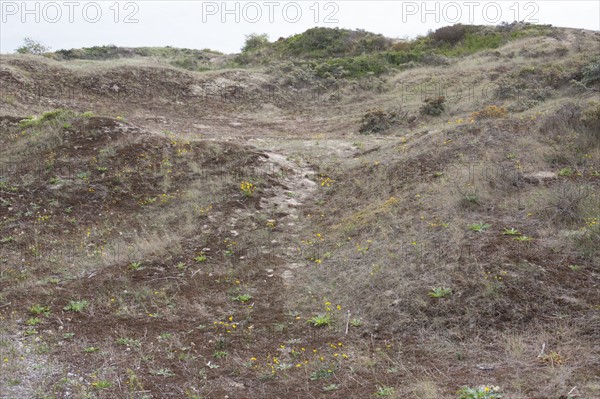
[161, 241]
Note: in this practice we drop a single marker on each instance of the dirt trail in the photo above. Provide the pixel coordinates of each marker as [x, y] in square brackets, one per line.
[285, 201]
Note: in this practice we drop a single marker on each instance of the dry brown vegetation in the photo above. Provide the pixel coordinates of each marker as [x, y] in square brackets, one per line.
[262, 233]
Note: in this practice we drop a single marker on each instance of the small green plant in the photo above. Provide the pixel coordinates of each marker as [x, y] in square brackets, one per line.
[128, 342]
[102, 384]
[135, 265]
[68, 335]
[472, 198]
[522, 238]
[181, 266]
[13, 382]
[221, 343]
[38, 309]
[33, 321]
[511, 232]
[440, 292]
[6, 240]
[243, 298]
[200, 258]
[284, 366]
[575, 268]
[163, 373]
[220, 354]
[324, 373]
[384, 391]
[483, 392]
[91, 349]
[356, 322]
[479, 227]
[565, 172]
[320, 320]
[331, 387]
[76, 306]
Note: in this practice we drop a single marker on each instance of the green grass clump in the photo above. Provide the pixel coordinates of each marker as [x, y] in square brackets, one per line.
[479, 227]
[440, 292]
[321, 320]
[56, 115]
[76, 306]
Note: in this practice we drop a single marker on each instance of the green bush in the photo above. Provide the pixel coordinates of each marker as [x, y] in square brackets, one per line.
[58, 115]
[91, 53]
[327, 42]
[353, 67]
[402, 57]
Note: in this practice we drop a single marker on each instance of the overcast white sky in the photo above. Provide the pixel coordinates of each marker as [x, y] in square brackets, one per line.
[222, 25]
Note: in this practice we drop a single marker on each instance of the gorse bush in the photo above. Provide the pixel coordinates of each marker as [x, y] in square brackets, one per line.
[377, 121]
[492, 111]
[433, 106]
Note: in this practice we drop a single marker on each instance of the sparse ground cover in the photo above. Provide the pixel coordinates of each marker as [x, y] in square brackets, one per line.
[167, 233]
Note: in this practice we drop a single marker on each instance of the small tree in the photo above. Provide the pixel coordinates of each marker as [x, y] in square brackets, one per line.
[31, 46]
[255, 41]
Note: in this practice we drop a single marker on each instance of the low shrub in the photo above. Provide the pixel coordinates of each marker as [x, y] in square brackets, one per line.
[590, 118]
[588, 76]
[433, 106]
[377, 121]
[492, 111]
[449, 34]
